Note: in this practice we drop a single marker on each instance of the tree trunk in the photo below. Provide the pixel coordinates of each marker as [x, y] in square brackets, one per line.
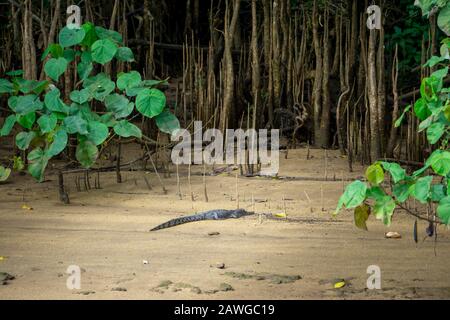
[267, 58]
[230, 27]
[276, 55]
[381, 91]
[393, 134]
[317, 88]
[372, 96]
[325, 119]
[255, 58]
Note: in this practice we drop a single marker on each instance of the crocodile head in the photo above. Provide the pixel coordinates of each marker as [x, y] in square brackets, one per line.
[240, 213]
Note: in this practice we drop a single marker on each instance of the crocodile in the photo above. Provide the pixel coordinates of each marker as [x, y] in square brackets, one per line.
[219, 214]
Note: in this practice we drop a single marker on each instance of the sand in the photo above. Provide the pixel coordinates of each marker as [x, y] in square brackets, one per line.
[106, 233]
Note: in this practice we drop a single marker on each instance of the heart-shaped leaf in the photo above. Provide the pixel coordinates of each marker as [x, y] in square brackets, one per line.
[150, 102]
[55, 67]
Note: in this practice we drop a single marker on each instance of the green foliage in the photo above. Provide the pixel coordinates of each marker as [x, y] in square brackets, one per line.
[167, 122]
[407, 34]
[55, 67]
[45, 121]
[433, 110]
[125, 129]
[150, 102]
[4, 173]
[103, 51]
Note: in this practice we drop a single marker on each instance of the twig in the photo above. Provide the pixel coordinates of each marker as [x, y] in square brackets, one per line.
[204, 182]
[147, 183]
[63, 196]
[309, 201]
[119, 152]
[178, 185]
[190, 185]
[237, 190]
[417, 215]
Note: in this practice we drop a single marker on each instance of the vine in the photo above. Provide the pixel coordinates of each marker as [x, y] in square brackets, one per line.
[46, 122]
[430, 184]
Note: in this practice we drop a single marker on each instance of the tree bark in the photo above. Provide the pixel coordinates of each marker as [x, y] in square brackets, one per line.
[381, 90]
[230, 27]
[326, 102]
[255, 59]
[393, 134]
[372, 96]
[317, 87]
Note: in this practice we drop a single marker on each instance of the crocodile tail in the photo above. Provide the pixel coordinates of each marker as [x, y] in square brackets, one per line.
[178, 221]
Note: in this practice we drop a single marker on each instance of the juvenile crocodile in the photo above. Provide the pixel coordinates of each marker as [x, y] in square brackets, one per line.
[219, 214]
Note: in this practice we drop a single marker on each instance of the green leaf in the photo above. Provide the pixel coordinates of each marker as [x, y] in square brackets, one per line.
[28, 86]
[361, 215]
[440, 162]
[150, 102]
[421, 190]
[18, 164]
[401, 192]
[12, 103]
[375, 193]
[86, 113]
[435, 132]
[23, 139]
[84, 69]
[6, 86]
[112, 35]
[443, 210]
[54, 68]
[47, 123]
[26, 120]
[434, 60]
[98, 132]
[441, 73]
[438, 191]
[375, 174]
[153, 83]
[4, 173]
[384, 209]
[125, 54]
[167, 122]
[425, 5]
[86, 153]
[396, 171]
[86, 56]
[38, 161]
[132, 92]
[425, 124]
[443, 20]
[54, 49]
[99, 86]
[399, 121]
[80, 97]
[103, 51]
[9, 123]
[70, 37]
[354, 195]
[15, 73]
[119, 105]
[129, 80]
[108, 119]
[70, 54]
[27, 104]
[90, 34]
[125, 129]
[75, 124]
[59, 143]
[421, 110]
[54, 103]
